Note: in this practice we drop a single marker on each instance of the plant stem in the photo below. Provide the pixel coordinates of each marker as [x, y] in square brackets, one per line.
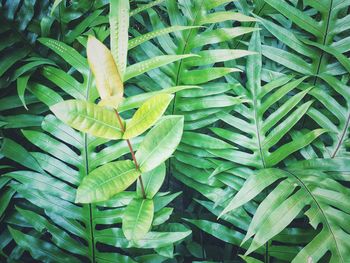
[132, 155]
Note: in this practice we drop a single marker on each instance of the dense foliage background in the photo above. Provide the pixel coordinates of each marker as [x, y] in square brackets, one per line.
[263, 168]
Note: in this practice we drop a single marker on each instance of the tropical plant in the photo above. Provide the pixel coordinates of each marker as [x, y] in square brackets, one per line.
[59, 173]
[104, 121]
[254, 93]
[266, 132]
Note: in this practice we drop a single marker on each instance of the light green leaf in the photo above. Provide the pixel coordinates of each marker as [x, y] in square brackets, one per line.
[137, 218]
[88, 117]
[218, 17]
[106, 181]
[200, 76]
[160, 143]
[216, 55]
[108, 79]
[148, 36]
[147, 115]
[152, 63]
[145, 7]
[137, 100]
[119, 25]
[152, 181]
[252, 187]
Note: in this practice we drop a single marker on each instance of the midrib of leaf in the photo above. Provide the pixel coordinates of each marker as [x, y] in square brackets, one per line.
[138, 217]
[184, 51]
[342, 136]
[257, 126]
[325, 35]
[160, 144]
[90, 227]
[321, 210]
[185, 48]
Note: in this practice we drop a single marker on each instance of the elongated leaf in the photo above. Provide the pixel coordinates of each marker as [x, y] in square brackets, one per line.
[22, 83]
[137, 100]
[147, 115]
[119, 23]
[152, 181]
[145, 37]
[115, 237]
[297, 16]
[137, 218]
[108, 79]
[216, 55]
[39, 249]
[152, 63]
[65, 81]
[160, 143]
[252, 187]
[286, 212]
[18, 153]
[223, 16]
[69, 54]
[55, 4]
[106, 181]
[89, 118]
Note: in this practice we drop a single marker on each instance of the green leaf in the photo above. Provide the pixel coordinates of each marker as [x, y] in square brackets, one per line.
[45, 94]
[301, 19]
[18, 153]
[22, 83]
[137, 100]
[200, 76]
[152, 181]
[145, 7]
[5, 199]
[250, 259]
[115, 237]
[119, 25]
[147, 115]
[204, 141]
[106, 181]
[216, 55]
[69, 54]
[162, 216]
[39, 249]
[252, 187]
[54, 6]
[218, 17]
[137, 218]
[148, 36]
[285, 212]
[152, 63]
[88, 117]
[65, 81]
[220, 35]
[217, 230]
[160, 143]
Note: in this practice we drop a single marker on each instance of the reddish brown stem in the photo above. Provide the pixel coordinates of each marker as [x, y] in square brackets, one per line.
[132, 155]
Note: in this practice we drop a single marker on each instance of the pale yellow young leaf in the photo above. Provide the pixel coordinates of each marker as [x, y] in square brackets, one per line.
[108, 81]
